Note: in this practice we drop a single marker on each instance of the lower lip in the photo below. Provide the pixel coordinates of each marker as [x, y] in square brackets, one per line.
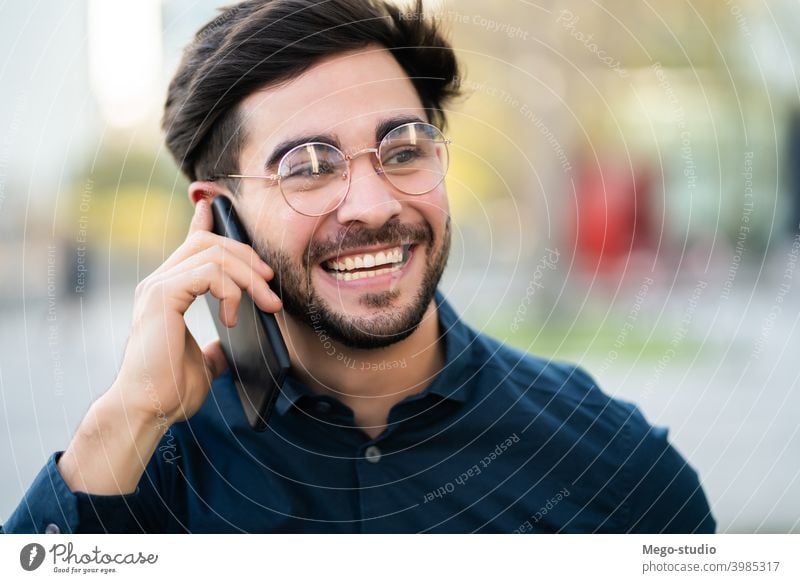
[367, 282]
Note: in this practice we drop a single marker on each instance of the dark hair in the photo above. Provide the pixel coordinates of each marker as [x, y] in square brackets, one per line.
[262, 42]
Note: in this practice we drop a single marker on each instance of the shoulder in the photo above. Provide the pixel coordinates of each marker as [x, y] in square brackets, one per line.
[650, 486]
[553, 384]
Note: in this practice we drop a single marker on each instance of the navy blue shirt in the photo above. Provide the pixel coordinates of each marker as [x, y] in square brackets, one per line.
[500, 441]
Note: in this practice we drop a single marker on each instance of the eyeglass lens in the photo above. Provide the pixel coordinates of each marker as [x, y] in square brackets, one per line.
[314, 177]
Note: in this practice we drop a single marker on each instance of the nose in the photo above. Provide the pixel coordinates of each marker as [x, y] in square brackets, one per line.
[371, 200]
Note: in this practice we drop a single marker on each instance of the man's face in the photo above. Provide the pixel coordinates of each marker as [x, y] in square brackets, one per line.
[347, 98]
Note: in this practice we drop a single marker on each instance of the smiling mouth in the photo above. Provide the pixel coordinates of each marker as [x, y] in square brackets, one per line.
[366, 265]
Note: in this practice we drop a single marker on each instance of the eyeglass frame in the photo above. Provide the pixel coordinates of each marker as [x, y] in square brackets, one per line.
[347, 158]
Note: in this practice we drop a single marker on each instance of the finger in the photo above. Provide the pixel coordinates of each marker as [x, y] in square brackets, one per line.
[179, 291]
[241, 273]
[199, 241]
[215, 358]
[202, 220]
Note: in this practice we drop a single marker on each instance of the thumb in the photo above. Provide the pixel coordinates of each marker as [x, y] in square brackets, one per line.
[215, 358]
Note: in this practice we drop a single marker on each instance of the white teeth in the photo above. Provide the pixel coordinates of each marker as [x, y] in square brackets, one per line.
[353, 275]
[366, 261]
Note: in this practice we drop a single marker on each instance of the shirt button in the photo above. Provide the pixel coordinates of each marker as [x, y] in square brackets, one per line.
[323, 407]
[373, 454]
[52, 529]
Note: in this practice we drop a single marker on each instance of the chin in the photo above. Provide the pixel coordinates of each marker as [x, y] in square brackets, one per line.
[364, 285]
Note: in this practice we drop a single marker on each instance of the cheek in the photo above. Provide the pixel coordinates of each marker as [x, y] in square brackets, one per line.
[434, 208]
[276, 226]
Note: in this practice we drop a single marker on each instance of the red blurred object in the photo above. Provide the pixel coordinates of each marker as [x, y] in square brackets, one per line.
[614, 216]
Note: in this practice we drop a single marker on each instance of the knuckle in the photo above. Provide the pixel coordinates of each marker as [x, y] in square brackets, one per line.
[207, 270]
[217, 252]
[255, 258]
[155, 289]
[145, 288]
[141, 288]
[196, 278]
[198, 240]
[235, 292]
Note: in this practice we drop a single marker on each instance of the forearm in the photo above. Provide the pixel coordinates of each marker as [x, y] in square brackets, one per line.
[111, 448]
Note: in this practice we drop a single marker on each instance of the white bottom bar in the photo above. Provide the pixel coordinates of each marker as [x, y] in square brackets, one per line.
[403, 558]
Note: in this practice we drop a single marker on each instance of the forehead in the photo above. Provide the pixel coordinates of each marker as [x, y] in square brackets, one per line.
[345, 94]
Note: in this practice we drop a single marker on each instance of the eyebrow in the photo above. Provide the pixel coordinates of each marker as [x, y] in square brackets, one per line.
[283, 147]
[390, 123]
[383, 128]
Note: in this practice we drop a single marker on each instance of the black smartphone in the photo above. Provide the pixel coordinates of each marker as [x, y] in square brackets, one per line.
[255, 349]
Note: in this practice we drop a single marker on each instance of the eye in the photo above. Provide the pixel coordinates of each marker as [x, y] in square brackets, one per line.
[404, 155]
[309, 170]
[312, 162]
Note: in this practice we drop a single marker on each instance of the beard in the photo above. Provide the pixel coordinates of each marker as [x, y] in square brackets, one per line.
[292, 283]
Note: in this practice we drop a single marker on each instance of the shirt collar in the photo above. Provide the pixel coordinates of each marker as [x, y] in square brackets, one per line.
[452, 382]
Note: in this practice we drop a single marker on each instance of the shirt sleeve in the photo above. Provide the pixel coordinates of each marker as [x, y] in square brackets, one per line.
[49, 506]
[666, 495]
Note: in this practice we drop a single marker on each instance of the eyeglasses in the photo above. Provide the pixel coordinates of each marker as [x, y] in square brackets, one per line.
[315, 178]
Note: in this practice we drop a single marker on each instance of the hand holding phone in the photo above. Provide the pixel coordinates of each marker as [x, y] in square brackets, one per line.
[254, 348]
[164, 372]
[165, 376]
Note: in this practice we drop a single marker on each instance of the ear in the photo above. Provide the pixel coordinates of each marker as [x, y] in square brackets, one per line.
[201, 189]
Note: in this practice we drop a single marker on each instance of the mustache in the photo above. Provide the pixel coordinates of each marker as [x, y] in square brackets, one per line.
[392, 232]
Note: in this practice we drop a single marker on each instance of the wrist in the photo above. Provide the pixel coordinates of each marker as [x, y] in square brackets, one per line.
[111, 447]
[141, 422]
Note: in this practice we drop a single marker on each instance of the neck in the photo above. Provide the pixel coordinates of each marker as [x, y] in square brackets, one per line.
[370, 382]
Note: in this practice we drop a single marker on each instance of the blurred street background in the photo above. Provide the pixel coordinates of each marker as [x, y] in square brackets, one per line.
[625, 188]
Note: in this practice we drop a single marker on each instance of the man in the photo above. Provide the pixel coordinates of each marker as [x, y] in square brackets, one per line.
[322, 123]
